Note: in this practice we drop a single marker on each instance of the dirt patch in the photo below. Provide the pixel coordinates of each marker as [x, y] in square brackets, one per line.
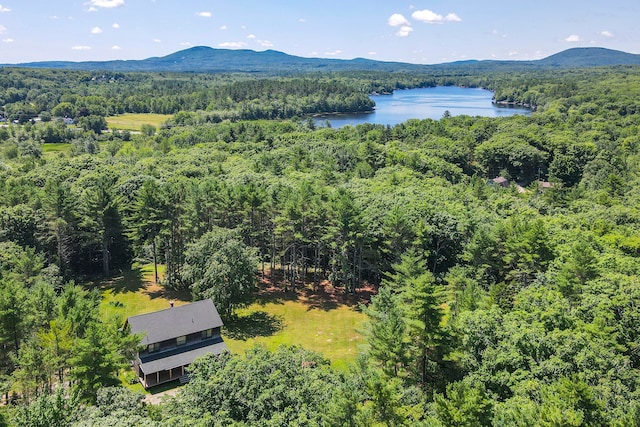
[323, 296]
[154, 399]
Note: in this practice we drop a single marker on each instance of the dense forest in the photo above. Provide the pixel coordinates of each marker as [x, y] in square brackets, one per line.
[497, 305]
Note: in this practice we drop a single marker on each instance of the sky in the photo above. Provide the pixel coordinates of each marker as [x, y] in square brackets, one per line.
[416, 31]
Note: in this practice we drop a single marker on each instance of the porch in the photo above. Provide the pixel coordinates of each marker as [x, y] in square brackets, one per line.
[160, 377]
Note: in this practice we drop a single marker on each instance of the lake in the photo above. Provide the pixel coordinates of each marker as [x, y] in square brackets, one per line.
[425, 103]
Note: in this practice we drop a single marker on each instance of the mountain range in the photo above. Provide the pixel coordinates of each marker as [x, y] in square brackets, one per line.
[203, 59]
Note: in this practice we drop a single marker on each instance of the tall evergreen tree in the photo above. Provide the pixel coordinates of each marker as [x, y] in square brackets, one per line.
[149, 218]
[94, 363]
[386, 333]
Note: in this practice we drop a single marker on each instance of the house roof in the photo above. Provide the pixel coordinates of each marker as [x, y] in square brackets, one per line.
[181, 359]
[175, 321]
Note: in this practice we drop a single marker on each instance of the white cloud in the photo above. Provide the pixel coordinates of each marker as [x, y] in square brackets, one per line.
[116, 47]
[4, 9]
[54, 17]
[232, 45]
[96, 30]
[513, 53]
[431, 17]
[302, 20]
[7, 40]
[157, 41]
[81, 48]
[251, 36]
[265, 43]
[606, 33]
[115, 25]
[224, 27]
[107, 4]
[3, 29]
[333, 53]
[397, 20]
[452, 17]
[404, 31]
[573, 38]
[204, 14]
[186, 44]
[92, 9]
[372, 53]
[427, 16]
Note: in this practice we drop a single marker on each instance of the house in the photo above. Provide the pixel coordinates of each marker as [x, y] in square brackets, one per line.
[544, 185]
[173, 338]
[501, 181]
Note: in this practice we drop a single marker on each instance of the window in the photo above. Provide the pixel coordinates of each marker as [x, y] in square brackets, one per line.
[153, 347]
[207, 333]
[181, 340]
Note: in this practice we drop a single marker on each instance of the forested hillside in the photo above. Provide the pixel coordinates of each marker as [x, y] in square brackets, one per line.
[204, 59]
[496, 306]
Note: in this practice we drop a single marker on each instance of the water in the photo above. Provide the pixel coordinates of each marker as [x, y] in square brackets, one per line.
[426, 103]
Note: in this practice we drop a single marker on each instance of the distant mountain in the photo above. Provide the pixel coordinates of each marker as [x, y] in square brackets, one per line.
[202, 59]
[589, 57]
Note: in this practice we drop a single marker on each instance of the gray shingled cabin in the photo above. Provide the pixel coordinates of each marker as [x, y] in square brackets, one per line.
[173, 338]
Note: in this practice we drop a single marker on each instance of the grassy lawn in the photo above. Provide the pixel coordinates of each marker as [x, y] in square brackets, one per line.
[55, 147]
[130, 121]
[324, 321]
[134, 292]
[329, 327]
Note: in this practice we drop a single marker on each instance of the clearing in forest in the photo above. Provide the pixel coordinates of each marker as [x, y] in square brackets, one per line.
[131, 121]
[325, 320]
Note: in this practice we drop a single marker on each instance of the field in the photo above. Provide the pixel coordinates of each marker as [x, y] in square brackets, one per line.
[133, 122]
[325, 321]
[134, 292]
[55, 147]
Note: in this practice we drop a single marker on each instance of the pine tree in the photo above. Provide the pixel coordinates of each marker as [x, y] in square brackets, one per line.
[386, 333]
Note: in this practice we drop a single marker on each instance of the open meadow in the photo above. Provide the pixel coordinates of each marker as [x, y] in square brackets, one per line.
[323, 321]
[133, 122]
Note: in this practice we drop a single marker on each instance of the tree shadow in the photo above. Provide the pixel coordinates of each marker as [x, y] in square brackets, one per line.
[131, 280]
[323, 296]
[161, 388]
[168, 293]
[320, 302]
[256, 324]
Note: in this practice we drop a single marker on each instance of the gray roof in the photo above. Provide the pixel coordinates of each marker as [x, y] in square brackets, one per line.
[181, 359]
[175, 321]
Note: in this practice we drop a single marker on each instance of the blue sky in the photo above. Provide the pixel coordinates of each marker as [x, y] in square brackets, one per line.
[417, 31]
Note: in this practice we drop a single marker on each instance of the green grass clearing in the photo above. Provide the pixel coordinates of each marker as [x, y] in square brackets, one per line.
[131, 121]
[56, 147]
[134, 292]
[333, 332]
[322, 321]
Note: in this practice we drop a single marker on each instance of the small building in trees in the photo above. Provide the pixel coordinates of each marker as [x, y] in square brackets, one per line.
[544, 185]
[173, 338]
[500, 181]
